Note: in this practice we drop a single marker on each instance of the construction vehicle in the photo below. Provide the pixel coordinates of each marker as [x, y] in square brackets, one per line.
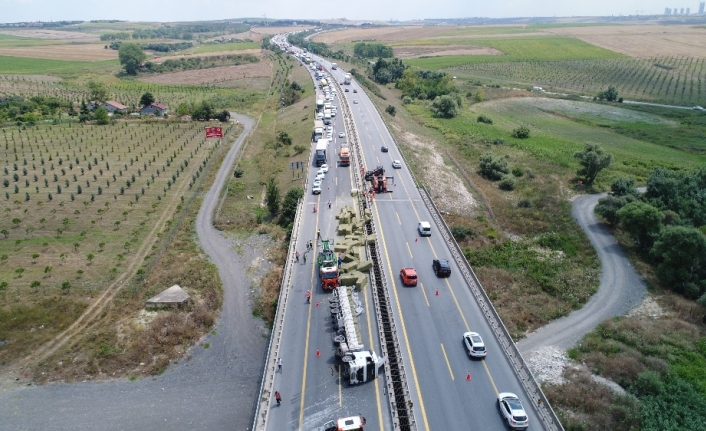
[347, 79]
[320, 153]
[318, 132]
[352, 423]
[328, 266]
[378, 180]
[344, 156]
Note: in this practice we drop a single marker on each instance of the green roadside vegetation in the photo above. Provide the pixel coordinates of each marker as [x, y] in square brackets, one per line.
[218, 47]
[23, 65]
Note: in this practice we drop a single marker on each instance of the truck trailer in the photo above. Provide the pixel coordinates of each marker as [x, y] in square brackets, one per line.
[318, 132]
[347, 79]
[344, 156]
[320, 152]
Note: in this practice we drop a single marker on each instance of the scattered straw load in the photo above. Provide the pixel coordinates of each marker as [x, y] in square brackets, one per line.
[351, 247]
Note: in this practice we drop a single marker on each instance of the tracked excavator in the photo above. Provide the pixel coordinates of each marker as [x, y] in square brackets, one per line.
[378, 180]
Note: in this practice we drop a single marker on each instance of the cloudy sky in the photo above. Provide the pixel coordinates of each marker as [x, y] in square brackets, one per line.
[190, 10]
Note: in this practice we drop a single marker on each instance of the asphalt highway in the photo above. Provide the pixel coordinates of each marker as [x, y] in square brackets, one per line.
[449, 390]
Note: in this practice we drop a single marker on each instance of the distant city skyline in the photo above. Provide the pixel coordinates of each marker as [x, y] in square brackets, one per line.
[192, 10]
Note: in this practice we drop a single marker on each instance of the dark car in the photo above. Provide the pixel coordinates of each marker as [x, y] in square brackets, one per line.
[441, 267]
[384, 149]
[355, 91]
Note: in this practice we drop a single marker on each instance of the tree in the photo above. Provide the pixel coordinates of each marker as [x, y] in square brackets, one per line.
[183, 109]
[272, 197]
[480, 95]
[99, 92]
[147, 99]
[65, 286]
[593, 159]
[611, 94]
[289, 206]
[223, 116]
[642, 220]
[445, 106]
[608, 208]
[507, 183]
[681, 253]
[84, 113]
[283, 138]
[101, 116]
[131, 56]
[391, 110]
[623, 187]
[522, 132]
[493, 167]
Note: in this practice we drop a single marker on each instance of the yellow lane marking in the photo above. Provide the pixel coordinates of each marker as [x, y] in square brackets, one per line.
[448, 364]
[421, 285]
[308, 329]
[492, 382]
[409, 250]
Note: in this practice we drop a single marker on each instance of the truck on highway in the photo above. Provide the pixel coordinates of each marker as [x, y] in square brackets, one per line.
[319, 105]
[344, 156]
[334, 66]
[347, 79]
[318, 132]
[324, 83]
[320, 152]
[353, 423]
[327, 116]
[328, 266]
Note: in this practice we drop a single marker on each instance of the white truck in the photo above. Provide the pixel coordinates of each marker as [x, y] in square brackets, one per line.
[318, 132]
[347, 79]
[320, 153]
[327, 116]
[319, 105]
[334, 66]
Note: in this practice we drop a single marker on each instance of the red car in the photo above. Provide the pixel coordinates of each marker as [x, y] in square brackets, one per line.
[408, 276]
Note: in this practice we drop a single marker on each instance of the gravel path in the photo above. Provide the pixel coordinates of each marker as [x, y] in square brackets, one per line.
[215, 390]
[620, 289]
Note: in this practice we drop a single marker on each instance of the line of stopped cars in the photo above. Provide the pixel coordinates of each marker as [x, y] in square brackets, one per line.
[509, 404]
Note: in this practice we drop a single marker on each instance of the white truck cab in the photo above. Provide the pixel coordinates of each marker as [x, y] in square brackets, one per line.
[424, 228]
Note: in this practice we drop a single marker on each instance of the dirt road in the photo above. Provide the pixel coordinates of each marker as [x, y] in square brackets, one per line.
[620, 290]
[215, 390]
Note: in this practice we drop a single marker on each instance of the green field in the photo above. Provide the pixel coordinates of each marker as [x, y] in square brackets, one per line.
[217, 47]
[481, 30]
[24, 65]
[4, 37]
[555, 138]
[532, 49]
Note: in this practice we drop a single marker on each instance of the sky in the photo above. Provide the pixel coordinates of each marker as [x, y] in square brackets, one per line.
[193, 10]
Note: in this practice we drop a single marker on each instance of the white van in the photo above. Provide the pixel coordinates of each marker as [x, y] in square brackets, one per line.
[424, 228]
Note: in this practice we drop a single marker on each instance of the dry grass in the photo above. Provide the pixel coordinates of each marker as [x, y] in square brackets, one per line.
[643, 41]
[252, 75]
[384, 34]
[75, 52]
[163, 58]
[416, 51]
[73, 36]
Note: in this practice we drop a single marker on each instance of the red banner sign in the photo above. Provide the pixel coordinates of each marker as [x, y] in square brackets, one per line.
[214, 132]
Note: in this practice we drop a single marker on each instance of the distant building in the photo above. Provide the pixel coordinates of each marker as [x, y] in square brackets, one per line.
[688, 10]
[681, 11]
[702, 6]
[154, 109]
[667, 11]
[112, 106]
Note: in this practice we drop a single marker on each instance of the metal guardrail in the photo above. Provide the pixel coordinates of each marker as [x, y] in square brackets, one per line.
[530, 385]
[397, 388]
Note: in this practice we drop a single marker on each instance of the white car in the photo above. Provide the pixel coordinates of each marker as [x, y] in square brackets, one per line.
[355, 102]
[333, 113]
[319, 176]
[698, 108]
[324, 168]
[396, 164]
[341, 135]
[316, 188]
[474, 345]
[321, 172]
[317, 181]
[512, 410]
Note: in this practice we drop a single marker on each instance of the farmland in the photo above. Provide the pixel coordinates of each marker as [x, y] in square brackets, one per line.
[40, 65]
[672, 80]
[80, 201]
[82, 52]
[223, 47]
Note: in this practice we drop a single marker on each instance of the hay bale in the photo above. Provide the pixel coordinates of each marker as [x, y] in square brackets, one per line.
[350, 266]
[361, 282]
[348, 257]
[354, 192]
[371, 240]
[365, 266]
[348, 279]
[344, 229]
[341, 247]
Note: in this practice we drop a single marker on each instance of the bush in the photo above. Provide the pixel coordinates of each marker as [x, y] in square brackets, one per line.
[484, 119]
[507, 183]
[524, 203]
[518, 171]
[445, 107]
[493, 167]
[462, 232]
[406, 100]
[521, 132]
[391, 110]
[237, 173]
[498, 141]
[298, 149]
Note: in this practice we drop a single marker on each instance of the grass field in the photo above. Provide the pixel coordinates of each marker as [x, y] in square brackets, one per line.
[482, 30]
[218, 47]
[41, 66]
[78, 201]
[531, 49]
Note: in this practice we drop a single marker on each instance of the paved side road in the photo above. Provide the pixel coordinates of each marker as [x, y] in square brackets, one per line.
[620, 287]
[214, 391]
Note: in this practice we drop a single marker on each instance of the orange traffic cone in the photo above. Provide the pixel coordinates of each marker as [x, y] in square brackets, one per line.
[318, 354]
[437, 292]
[468, 376]
[416, 239]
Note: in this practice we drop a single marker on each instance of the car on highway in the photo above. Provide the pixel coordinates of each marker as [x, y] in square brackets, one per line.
[384, 149]
[355, 102]
[319, 176]
[408, 276]
[316, 188]
[324, 168]
[355, 91]
[317, 181]
[698, 108]
[474, 344]
[424, 228]
[512, 410]
[441, 267]
[396, 164]
[341, 135]
[346, 90]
